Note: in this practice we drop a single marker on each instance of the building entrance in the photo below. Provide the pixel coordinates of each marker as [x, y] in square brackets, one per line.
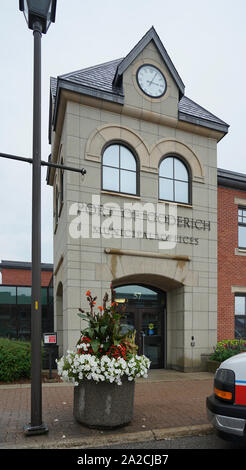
[146, 314]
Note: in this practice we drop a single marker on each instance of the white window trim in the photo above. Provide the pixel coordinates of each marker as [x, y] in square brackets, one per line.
[238, 290]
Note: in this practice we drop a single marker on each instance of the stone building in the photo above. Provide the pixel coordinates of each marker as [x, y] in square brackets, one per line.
[144, 217]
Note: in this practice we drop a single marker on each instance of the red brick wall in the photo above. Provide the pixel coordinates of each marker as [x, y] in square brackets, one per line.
[231, 267]
[22, 277]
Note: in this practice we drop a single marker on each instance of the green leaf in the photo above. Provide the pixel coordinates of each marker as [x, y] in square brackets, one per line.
[103, 329]
[95, 345]
[106, 346]
[87, 332]
[97, 329]
[91, 333]
[82, 315]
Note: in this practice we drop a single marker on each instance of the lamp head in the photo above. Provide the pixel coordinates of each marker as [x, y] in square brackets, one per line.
[41, 11]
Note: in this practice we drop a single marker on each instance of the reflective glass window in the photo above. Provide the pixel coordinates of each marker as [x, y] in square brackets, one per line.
[119, 170]
[135, 292]
[111, 179]
[166, 168]
[128, 182]
[181, 191]
[166, 189]
[180, 171]
[240, 316]
[241, 227]
[7, 295]
[44, 295]
[15, 311]
[111, 156]
[174, 180]
[24, 295]
[127, 161]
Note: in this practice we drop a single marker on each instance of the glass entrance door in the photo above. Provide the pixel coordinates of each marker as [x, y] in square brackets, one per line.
[145, 313]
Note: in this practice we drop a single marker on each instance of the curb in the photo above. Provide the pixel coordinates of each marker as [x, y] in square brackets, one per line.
[141, 436]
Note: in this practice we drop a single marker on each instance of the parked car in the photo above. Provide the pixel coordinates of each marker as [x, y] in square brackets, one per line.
[226, 407]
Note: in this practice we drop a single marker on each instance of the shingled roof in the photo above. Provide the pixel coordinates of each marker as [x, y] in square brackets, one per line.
[104, 81]
[99, 77]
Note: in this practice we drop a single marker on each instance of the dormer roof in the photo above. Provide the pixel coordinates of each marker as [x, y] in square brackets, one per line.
[104, 81]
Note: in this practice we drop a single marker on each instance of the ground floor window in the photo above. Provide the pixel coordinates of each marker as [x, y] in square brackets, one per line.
[240, 316]
[15, 311]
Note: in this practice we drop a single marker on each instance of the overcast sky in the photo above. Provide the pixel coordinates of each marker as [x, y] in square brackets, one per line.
[206, 41]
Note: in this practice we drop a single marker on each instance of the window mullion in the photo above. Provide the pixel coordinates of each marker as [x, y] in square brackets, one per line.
[119, 168]
[174, 199]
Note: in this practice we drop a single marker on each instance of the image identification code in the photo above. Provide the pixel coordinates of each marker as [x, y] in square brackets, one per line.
[149, 460]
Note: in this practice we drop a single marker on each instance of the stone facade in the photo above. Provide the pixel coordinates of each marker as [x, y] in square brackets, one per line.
[187, 272]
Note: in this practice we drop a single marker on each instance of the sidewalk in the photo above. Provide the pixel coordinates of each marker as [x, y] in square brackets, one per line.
[167, 404]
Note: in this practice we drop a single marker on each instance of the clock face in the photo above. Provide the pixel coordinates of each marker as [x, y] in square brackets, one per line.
[151, 81]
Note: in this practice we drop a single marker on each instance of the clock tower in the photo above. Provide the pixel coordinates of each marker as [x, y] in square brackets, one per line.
[143, 219]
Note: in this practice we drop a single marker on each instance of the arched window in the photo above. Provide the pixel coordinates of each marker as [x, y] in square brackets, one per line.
[174, 180]
[119, 170]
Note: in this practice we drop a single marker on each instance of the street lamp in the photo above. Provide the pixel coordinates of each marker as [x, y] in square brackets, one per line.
[43, 11]
[39, 14]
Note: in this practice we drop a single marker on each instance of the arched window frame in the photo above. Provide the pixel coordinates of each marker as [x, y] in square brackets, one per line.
[188, 169]
[137, 171]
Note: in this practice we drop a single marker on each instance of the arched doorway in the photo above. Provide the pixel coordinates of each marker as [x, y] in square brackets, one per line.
[146, 314]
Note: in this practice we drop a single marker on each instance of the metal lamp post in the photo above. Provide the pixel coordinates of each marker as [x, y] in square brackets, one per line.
[39, 15]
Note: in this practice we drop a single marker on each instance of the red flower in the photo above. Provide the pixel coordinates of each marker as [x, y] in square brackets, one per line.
[117, 351]
[85, 339]
[88, 293]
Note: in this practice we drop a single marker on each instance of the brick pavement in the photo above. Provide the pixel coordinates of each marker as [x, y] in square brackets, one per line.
[173, 400]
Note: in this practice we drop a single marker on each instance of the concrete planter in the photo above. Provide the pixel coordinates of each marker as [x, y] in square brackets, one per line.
[103, 405]
[212, 365]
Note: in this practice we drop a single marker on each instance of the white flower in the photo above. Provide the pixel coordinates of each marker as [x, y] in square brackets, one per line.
[75, 367]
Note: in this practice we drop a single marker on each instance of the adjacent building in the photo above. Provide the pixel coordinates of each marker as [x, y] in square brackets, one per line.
[231, 255]
[143, 219]
[15, 299]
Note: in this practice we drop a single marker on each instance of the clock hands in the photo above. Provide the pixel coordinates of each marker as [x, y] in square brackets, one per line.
[150, 82]
[149, 75]
[158, 84]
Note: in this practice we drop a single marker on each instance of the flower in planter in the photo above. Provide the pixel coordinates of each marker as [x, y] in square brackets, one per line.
[117, 351]
[228, 348]
[104, 352]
